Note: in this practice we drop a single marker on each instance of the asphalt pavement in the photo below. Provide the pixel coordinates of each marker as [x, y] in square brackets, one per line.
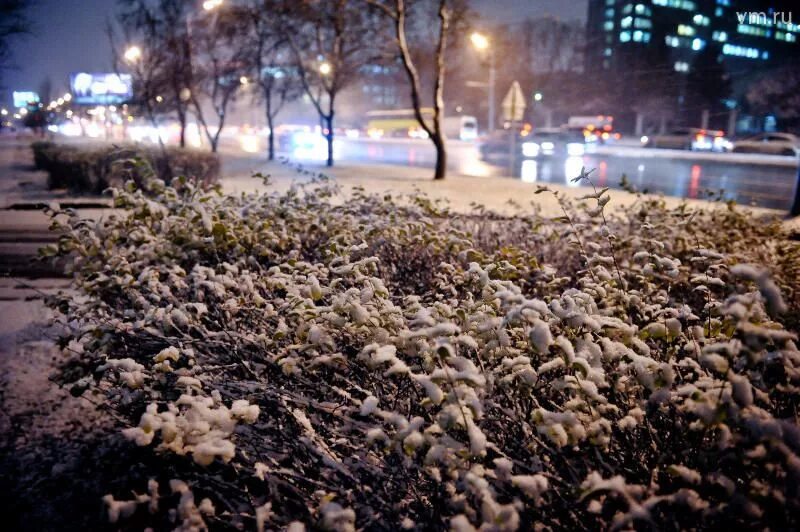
[763, 181]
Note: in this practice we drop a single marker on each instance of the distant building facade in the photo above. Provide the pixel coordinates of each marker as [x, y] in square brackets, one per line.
[744, 37]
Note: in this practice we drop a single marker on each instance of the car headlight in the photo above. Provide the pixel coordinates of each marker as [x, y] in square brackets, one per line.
[548, 146]
[530, 149]
[575, 148]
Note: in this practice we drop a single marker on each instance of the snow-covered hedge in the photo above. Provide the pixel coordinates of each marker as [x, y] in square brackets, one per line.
[380, 362]
[93, 168]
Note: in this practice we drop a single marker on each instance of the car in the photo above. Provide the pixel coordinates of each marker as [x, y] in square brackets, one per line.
[689, 138]
[770, 143]
[545, 142]
[496, 145]
[553, 143]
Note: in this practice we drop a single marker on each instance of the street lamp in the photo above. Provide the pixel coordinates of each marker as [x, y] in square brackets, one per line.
[132, 54]
[482, 44]
[325, 68]
[210, 5]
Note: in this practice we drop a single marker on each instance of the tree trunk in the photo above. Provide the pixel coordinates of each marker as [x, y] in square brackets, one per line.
[441, 158]
[438, 94]
[329, 138]
[182, 122]
[270, 140]
[271, 137]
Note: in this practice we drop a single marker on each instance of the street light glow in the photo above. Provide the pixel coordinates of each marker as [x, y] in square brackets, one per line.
[133, 54]
[538, 96]
[479, 41]
[243, 80]
[210, 5]
[325, 68]
[67, 97]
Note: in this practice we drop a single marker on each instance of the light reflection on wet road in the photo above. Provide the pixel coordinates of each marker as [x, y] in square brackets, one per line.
[751, 184]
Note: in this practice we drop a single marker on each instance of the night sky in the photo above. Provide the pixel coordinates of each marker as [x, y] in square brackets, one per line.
[69, 36]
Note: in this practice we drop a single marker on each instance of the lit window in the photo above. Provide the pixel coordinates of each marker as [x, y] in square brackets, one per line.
[637, 36]
[607, 52]
[719, 11]
[744, 51]
[643, 23]
[700, 20]
[609, 13]
[681, 66]
[683, 29]
[608, 25]
[626, 22]
[624, 36]
[672, 41]
[677, 4]
[720, 36]
[698, 44]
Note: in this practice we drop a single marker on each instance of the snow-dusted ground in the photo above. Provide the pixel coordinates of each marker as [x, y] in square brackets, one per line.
[500, 194]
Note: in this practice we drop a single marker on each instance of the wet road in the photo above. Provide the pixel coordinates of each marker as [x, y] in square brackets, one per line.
[764, 185]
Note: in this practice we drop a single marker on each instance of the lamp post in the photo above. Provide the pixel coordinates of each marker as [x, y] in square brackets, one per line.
[481, 43]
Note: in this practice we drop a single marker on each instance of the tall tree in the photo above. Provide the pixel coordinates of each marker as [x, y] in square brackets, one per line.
[218, 68]
[776, 93]
[406, 18]
[331, 41]
[161, 69]
[268, 59]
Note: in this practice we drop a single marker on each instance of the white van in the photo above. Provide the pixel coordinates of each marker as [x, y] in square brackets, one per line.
[461, 127]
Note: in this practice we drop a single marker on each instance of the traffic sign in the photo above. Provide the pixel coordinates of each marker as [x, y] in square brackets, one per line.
[513, 104]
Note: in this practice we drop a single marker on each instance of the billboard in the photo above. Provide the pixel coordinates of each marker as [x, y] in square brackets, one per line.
[100, 89]
[24, 98]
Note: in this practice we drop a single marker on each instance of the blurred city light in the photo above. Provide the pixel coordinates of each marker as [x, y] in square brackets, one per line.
[479, 41]
[210, 5]
[133, 54]
[325, 68]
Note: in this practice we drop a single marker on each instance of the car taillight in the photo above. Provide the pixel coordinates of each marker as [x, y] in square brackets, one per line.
[700, 137]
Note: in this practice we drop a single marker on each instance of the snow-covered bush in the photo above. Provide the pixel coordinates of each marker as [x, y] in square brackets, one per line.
[381, 362]
[93, 168]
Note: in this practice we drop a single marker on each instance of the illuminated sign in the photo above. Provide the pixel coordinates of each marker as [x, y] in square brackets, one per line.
[101, 89]
[24, 98]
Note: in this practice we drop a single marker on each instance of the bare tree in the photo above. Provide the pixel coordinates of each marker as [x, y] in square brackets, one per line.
[218, 69]
[776, 93]
[402, 14]
[267, 54]
[162, 69]
[331, 41]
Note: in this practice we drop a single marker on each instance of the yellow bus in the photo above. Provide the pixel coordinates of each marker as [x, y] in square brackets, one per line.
[402, 123]
[397, 123]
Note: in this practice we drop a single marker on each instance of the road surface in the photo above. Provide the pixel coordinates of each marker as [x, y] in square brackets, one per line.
[766, 185]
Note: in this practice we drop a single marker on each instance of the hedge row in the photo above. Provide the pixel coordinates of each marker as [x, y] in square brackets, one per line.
[92, 169]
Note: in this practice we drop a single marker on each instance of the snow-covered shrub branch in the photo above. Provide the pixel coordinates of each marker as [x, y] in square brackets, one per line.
[383, 362]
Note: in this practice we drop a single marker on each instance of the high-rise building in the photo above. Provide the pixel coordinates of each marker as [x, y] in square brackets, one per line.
[631, 39]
